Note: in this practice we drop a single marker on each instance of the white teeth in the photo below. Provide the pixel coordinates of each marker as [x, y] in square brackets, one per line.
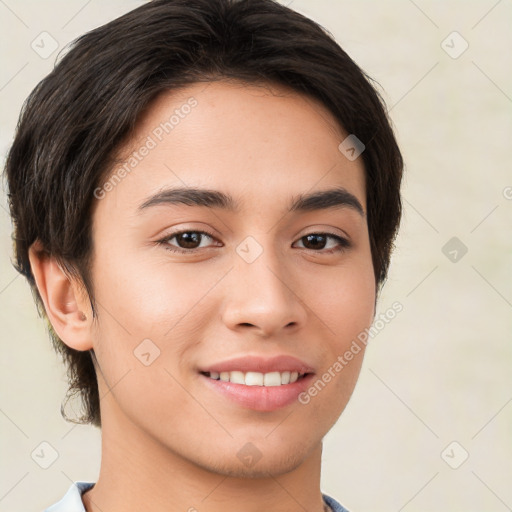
[256, 378]
[237, 377]
[272, 379]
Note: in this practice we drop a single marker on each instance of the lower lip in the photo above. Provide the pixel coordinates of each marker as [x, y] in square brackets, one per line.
[260, 398]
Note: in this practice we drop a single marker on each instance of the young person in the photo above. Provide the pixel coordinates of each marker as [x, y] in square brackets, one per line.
[205, 195]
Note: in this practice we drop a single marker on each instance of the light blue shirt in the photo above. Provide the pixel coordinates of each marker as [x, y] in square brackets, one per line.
[72, 500]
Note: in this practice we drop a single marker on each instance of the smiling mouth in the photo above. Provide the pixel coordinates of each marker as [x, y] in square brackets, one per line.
[271, 379]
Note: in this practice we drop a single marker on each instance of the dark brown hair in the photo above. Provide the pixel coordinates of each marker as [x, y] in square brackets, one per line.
[78, 116]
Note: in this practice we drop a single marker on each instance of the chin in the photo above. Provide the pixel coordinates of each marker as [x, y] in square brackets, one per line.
[261, 461]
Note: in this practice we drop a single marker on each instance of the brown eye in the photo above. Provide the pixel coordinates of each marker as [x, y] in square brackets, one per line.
[189, 239]
[318, 241]
[186, 241]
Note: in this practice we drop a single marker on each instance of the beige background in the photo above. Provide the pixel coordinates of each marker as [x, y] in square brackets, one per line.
[441, 370]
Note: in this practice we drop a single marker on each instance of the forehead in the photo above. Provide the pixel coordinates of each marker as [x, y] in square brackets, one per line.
[268, 102]
[252, 141]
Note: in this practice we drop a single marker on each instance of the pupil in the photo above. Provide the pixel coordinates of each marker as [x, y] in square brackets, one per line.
[312, 237]
[189, 238]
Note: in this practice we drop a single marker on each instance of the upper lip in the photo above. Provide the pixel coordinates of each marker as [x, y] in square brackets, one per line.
[280, 363]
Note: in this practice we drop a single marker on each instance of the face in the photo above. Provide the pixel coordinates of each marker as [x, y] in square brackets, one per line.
[185, 283]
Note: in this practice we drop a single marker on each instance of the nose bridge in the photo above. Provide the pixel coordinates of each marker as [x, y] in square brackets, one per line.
[260, 292]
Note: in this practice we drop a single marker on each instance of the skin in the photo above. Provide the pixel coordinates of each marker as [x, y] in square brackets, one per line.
[168, 441]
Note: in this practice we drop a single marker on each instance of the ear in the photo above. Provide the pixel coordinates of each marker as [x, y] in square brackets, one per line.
[64, 298]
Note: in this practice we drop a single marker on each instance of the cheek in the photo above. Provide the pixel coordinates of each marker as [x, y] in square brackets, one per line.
[149, 305]
[146, 293]
[347, 304]
[346, 311]
[146, 326]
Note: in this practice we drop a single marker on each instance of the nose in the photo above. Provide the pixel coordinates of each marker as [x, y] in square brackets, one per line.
[262, 295]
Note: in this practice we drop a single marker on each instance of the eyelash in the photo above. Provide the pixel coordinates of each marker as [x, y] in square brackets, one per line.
[343, 242]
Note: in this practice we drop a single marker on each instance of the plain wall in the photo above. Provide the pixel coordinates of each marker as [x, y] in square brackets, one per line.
[440, 371]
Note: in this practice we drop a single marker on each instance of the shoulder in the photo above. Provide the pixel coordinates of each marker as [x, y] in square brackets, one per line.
[335, 506]
[72, 500]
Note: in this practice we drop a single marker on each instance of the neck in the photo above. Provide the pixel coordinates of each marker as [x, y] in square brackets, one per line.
[139, 473]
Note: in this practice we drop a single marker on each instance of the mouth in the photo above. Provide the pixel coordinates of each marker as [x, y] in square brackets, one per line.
[258, 382]
[264, 392]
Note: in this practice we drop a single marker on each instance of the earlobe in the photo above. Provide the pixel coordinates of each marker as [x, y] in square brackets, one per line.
[63, 299]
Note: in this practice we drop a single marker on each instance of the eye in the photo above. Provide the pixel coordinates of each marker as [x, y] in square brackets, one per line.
[318, 241]
[187, 241]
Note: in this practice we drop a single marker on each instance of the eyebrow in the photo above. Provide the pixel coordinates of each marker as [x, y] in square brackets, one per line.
[319, 200]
